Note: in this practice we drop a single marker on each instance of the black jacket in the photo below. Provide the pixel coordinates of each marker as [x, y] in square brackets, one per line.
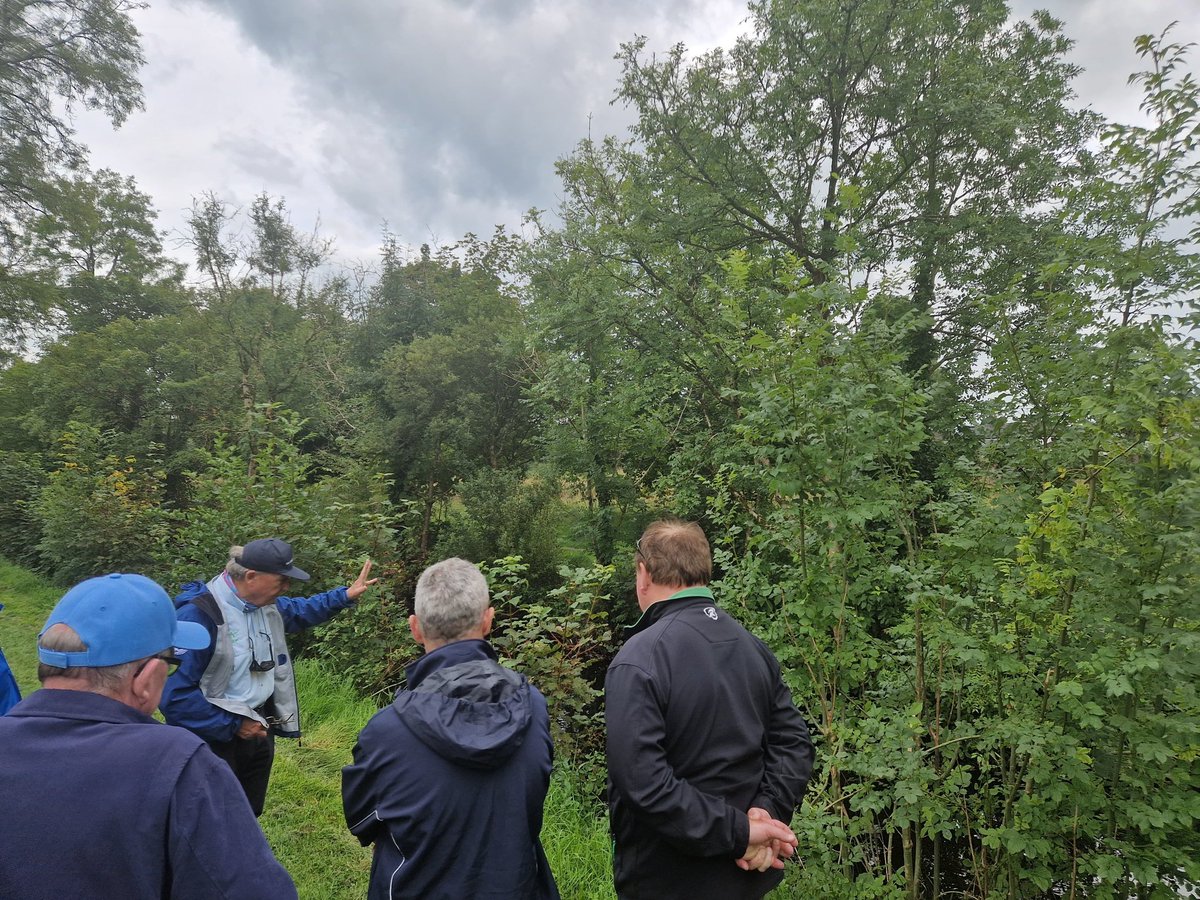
[448, 782]
[701, 728]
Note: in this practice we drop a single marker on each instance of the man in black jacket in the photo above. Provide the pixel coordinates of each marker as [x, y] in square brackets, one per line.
[707, 756]
[448, 782]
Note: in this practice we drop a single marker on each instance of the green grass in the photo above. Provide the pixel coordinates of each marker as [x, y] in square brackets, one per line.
[575, 835]
[303, 817]
[27, 602]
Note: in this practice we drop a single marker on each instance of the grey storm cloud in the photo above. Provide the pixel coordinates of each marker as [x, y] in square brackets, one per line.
[434, 108]
[260, 158]
[442, 116]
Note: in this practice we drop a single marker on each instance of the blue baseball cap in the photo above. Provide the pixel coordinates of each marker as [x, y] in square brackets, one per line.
[120, 618]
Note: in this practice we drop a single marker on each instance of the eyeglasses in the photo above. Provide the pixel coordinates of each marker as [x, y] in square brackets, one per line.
[261, 665]
[170, 659]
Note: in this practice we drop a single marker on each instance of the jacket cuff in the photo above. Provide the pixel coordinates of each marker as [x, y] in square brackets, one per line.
[741, 835]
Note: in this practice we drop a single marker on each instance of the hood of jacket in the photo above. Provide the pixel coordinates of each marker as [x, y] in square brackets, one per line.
[465, 706]
[190, 591]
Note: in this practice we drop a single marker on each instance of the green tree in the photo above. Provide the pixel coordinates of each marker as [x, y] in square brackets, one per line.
[506, 514]
[915, 146]
[1021, 719]
[273, 256]
[285, 332]
[277, 250]
[455, 407]
[441, 358]
[54, 56]
[150, 381]
[97, 242]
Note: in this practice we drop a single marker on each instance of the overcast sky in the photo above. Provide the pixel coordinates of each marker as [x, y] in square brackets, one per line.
[440, 116]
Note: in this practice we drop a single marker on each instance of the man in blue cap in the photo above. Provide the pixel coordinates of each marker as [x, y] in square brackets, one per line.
[99, 799]
[241, 692]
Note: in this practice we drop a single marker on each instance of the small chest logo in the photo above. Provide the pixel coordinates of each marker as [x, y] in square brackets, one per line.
[710, 612]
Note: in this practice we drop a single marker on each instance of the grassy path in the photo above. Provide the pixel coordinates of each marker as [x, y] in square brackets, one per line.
[303, 818]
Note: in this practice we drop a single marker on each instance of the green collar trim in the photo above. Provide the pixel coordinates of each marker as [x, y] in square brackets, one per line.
[691, 592]
[686, 594]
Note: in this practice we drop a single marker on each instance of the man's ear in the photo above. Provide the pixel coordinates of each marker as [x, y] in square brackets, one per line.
[642, 577]
[489, 615]
[414, 626]
[145, 688]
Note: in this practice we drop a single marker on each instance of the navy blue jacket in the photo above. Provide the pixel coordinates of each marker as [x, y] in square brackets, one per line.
[448, 782]
[100, 800]
[10, 694]
[183, 702]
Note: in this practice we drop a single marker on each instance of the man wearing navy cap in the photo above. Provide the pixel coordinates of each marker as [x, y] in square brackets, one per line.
[99, 799]
[241, 692]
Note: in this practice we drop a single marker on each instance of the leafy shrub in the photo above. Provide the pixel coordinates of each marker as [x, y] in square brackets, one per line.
[21, 480]
[258, 482]
[100, 512]
[505, 514]
[564, 646]
[252, 484]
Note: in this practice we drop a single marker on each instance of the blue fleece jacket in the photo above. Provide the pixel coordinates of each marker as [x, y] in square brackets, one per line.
[100, 800]
[10, 694]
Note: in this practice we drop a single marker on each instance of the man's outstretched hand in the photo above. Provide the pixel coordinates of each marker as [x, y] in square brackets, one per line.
[362, 582]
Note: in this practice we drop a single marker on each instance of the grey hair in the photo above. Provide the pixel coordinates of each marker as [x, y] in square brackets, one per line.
[452, 597]
[97, 679]
[233, 568]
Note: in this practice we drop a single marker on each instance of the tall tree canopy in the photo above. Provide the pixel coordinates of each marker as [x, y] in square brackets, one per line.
[55, 56]
[912, 151]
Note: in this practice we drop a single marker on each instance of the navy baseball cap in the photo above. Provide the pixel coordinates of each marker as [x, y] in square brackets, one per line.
[270, 555]
[120, 618]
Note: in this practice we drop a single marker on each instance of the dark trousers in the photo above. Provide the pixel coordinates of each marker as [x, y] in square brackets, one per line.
[251, 763]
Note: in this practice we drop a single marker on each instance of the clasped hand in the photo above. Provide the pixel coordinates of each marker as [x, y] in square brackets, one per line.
[771, 842]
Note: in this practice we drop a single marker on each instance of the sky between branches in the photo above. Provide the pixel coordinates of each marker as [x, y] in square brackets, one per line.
[441, 116]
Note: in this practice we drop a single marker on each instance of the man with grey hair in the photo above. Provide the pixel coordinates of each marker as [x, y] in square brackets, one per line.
[465, 744]
[241, 693]
[99, 799]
